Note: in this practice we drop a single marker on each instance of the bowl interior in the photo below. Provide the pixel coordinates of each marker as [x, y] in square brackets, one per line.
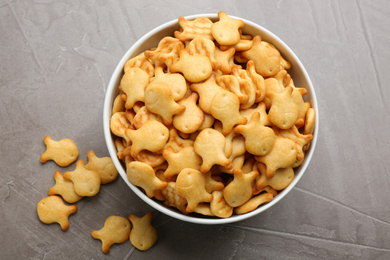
[151, 39]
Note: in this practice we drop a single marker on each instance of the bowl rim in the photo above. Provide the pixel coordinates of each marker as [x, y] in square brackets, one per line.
[109, 138]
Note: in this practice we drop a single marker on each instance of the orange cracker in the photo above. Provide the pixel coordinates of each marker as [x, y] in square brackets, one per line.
[219, 207]
[281, 179]
[140, 61]
[266, 58]
[118, 125]
[118, 105]
[212, 184]
[173, 199]
[309, 125]
[261, 109]
[143, 115]
[203, 46]
[176, 143]
[299, 139]
[185, 158]
[174, 81]
[225, 58]
[166, 52]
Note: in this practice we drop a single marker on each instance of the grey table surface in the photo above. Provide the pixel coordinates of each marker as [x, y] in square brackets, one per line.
[56, 58]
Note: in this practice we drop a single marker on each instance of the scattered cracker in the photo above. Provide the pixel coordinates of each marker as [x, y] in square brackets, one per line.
[104, 166]
[53, 210]
[86, 182]
[142, 235]
[64, 188]
[116, 230]
[63, 152]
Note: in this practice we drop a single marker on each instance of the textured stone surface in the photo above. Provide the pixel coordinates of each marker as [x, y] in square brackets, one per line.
[56, 58]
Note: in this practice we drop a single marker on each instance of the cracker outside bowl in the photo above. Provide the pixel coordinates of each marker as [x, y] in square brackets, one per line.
[151, 39]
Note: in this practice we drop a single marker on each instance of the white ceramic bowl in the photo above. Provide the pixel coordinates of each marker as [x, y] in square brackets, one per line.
[151, 39]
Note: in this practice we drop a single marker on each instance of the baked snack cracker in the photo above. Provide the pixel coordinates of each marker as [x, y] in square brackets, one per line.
[225, 31]
[86, 182]
[195, 68]
[283, 112]
[259, 139]
[64, 188]
[63, 152]
[116, 230]
[104, 166]
[142, 235]
[201, 26]
[192, 118]
[53, 210]
[282, 155]
[151, 136]
[191, 185]
[225, 107]
[133, 84]
[210, 145]
[239, 190]
[159, 100]
[142, 175]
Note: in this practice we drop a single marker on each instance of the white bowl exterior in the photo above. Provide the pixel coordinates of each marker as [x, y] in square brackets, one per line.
[151, 39]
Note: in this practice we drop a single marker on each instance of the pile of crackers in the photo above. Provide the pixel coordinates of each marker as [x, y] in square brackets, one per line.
[85, 181]
[210, 121]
